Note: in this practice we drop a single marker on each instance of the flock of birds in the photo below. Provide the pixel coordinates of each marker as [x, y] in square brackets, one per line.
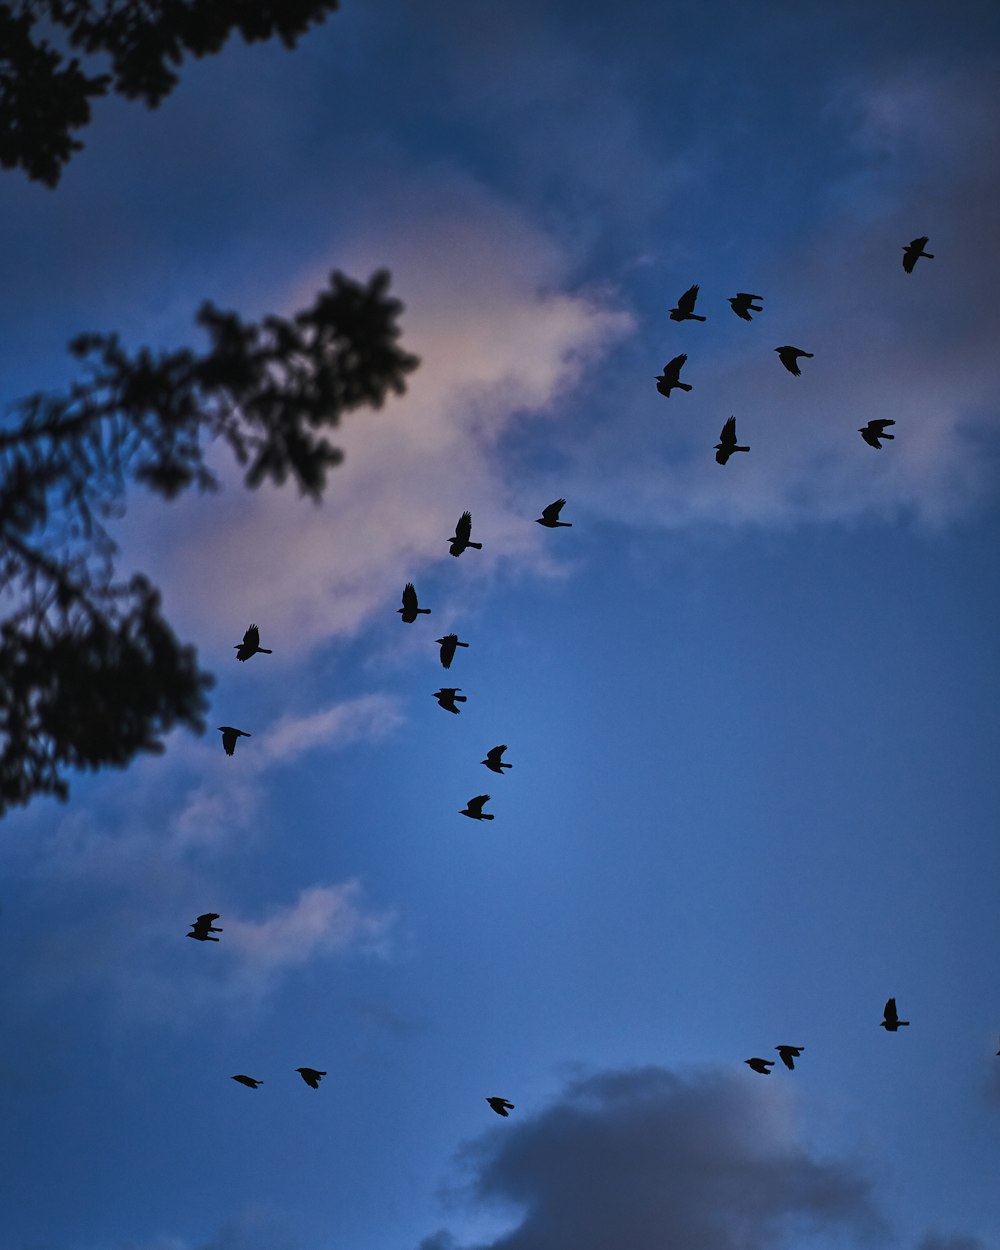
[448, 697]
[742, 304]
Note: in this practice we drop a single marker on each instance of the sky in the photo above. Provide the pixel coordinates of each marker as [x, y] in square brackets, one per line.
[750, 709]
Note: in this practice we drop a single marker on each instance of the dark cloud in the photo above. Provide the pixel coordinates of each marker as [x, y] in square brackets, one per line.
[649, 1160]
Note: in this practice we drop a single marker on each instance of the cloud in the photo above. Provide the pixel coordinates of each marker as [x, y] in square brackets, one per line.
[368, 719]
[647, 1159]
[324, 920]
[503, 338]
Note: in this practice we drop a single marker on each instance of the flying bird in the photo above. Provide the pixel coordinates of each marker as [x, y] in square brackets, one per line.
[229, 736]
[202, 927]
[248, 1081]
[913, 251]
[892, 1021]
[250, 645]
[448, 644]
[875, 430]
[743, 305]
[763, 1066]
[788, 1055]
[685, 306]
[409, 611]
[448, 696]
[493, 761]
[550, 516]
[500, 1105]
[790, 356]
[310, 1076]
[474, 808]
[727, 442]
[670, 377]
[462, 532]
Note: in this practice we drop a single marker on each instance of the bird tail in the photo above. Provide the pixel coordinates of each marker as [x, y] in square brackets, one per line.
[426, 611]
[478, 546]
[685, 386]
[884, 435]
[265, 650]
[741, 449]
[695, 317]
[929, 255]
[461, 644]
[487, 816]
[461, 698]
[568, 524]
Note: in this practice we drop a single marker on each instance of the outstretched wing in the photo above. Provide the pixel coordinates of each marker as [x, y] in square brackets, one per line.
[409, 597]
[880, 424]
[551, 513]
[252, 637]
[476, 804]
[207, 918]
[672, 369]
[728, 436]
[686, 302]
[463, 530]
[494, 754]
[890, 1011]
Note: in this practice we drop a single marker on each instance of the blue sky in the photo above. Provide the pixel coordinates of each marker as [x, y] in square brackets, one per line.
[750, 709]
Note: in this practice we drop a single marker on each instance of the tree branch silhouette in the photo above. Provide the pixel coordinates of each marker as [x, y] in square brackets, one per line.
[44, 96]
[90, 672]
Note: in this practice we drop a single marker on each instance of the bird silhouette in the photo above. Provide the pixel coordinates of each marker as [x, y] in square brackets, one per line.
[670, 377]
[892, 1021]
[763, 1066]
[448, 696]
[500, 1105]
[462, 532]
[250, 645]
[409, 611]
[875, 430]
[310, 1076]
[202, 927]
[790, 356]
[550, 516]
[474, 808]
[685, 306]
[229, 736]
[248, 1081]
[493, 761]
[743, 305]
[788, 1055]
[448, 644]
[913, 251]
[727, 442]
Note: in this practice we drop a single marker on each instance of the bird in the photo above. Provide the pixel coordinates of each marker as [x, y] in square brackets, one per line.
[670, 377]
[727, 442]
[685, 306]
[310, 1076]
[892, 1021]
[250, 645]
[462, 531]
[743, 305]
[788, 1055]
[913, 251]
[448, 644]
[789, 357]
[763, 1066]
[229, 736]
[448, 696]
[875, 430]
[202, 927]
[474, 808]
[248, 1081]
[550, 516]
[409, 611]
[493, 761]
[500, 1105]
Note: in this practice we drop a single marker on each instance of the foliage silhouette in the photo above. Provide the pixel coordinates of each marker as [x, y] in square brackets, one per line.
[90, 671]
[44, 96]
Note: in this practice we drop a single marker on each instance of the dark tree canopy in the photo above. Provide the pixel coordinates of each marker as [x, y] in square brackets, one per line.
[44, 95]
[90, 672]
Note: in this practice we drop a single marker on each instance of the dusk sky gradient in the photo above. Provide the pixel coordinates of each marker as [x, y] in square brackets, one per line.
[751, 709]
